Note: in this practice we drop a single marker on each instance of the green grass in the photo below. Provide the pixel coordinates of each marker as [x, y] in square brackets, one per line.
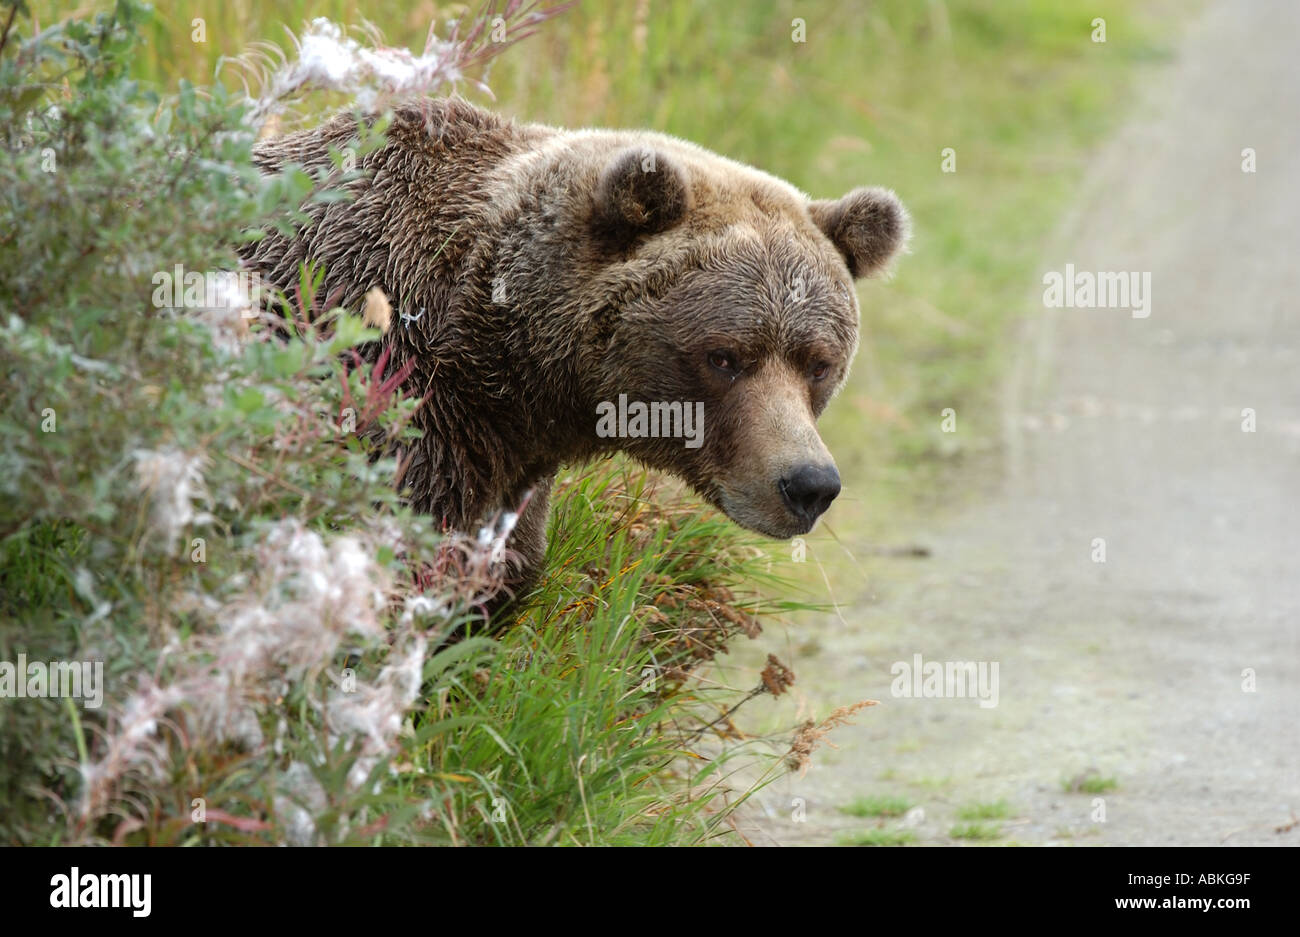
[994, 810]
[883, 806]
[1089, 783]
[980, 832]
[877, 837]
[571, 738]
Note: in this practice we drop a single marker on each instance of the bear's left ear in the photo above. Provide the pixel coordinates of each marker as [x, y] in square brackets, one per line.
[869, 226]
[641, 191]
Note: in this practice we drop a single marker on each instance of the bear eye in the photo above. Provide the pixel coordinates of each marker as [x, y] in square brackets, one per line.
[724, 361]
[820, 370]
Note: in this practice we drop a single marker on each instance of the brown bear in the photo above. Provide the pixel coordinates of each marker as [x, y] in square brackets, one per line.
[561, 292]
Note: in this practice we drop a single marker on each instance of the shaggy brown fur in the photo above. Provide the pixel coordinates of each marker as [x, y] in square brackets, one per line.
[537, 272]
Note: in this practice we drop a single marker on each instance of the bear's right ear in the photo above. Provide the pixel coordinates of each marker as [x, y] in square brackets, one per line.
[641, 191]
[869, 226]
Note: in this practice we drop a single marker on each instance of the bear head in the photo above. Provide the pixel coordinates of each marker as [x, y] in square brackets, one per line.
[712, 285]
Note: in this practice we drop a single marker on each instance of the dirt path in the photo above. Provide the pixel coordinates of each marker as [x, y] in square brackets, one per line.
[1130, 430]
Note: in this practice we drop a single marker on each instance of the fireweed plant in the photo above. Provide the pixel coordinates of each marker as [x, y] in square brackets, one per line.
[197, 495]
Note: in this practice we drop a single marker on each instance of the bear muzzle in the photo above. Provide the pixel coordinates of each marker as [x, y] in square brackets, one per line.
[785, 502]
[780, 477]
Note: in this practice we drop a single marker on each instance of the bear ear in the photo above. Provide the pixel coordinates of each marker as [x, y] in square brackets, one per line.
[641, 191]
[869, 226]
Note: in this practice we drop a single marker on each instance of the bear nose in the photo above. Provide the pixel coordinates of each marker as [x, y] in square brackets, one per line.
[809, 490]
